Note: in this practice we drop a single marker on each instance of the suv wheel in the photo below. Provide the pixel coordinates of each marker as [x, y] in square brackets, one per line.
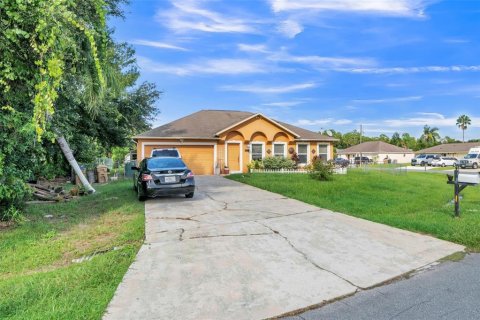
[422, 163]
[475, 166]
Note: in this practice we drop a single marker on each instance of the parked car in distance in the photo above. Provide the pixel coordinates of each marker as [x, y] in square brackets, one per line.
[424, 159]
[444, 161]
[365, 160]
[341, 162]
[170, 152]
[162, 176]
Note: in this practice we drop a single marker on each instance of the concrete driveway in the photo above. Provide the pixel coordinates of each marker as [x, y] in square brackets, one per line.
[238, 252]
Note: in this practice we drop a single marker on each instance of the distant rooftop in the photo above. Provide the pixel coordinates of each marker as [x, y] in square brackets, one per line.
[450, 148]
[374, 147]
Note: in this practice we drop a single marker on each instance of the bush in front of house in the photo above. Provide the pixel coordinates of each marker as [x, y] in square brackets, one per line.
[278, 163]
[321, 170]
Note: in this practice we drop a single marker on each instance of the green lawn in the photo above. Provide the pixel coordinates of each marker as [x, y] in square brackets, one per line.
[38, 279]
[414, 201]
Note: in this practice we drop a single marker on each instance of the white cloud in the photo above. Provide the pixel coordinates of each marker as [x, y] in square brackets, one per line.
[388, 100]
[456, 40]
[321, 62]
[342, 121]
[423, 118]
[408, 70]
[214, 66]
[187, 15]
[253, 48]
[289, 28]
[322, 122]
[157, 44]
[270, 90]
[283, 103]
[407, 8]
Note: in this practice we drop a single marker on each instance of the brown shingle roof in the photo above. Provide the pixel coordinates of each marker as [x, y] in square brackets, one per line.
[374, 147]
[451, 148]
[306, 134]
[204, 124]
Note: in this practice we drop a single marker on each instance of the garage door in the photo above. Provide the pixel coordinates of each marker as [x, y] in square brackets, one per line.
[198, 158]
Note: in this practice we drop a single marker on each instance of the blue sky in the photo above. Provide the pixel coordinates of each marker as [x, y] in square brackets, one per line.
[391, 65]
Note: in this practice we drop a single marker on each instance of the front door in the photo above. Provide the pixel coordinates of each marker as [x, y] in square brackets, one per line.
[233, 157]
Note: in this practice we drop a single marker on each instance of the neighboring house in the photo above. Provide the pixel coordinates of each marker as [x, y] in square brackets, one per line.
[378, 151]
[209, 140]
[457, 150]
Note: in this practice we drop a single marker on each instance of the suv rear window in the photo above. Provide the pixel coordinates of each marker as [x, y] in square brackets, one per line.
[164, 163]
[165, 153]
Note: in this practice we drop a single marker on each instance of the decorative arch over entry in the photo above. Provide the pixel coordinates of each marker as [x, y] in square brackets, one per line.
[258, 136]
[280, 137]
[235, 135]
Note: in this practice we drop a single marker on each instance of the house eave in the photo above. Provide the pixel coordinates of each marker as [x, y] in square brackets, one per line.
[175, 138]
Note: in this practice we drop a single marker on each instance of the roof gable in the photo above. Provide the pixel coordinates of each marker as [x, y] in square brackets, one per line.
[253, 116]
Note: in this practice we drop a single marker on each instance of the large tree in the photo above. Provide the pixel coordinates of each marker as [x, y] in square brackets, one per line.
[62, 77]
[430, 135]
[463, 122]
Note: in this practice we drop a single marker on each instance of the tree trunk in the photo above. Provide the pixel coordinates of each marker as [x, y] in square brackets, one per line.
[71, 160]
[463, 135]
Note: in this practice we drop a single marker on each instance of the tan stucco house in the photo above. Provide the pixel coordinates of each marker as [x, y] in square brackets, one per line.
[209, 140]
[378, 151]
[457, 150]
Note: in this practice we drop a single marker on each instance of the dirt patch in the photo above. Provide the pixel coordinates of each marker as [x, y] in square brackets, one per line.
[4, 225]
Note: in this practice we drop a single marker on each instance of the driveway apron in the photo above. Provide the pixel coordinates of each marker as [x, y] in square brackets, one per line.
[238, 252]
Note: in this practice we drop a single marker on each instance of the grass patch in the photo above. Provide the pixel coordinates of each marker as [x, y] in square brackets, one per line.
[415, 201]
[38, 279]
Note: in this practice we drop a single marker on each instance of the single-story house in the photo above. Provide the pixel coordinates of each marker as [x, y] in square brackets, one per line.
[210, 140]
[378, 151]
[457, 150]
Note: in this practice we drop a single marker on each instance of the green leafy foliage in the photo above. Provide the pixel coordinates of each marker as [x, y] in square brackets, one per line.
[60, 68]
[277, 163]
[321, 170]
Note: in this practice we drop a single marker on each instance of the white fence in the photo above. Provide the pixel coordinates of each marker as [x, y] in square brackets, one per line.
[336, 171]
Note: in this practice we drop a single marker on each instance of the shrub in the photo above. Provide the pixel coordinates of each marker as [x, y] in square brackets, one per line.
[277, 163]
[255, 164]
[321, 170]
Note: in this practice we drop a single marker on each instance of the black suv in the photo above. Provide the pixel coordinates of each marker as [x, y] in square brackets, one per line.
[364, 160]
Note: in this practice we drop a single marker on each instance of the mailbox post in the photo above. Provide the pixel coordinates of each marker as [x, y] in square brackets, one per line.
[460, 182]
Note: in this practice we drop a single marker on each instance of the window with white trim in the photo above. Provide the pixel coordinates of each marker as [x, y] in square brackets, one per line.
[279, 149]
[302, 152]
[323, 152]
[256, 151]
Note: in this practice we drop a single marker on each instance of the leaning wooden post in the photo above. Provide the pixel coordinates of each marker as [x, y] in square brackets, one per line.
[71, 160]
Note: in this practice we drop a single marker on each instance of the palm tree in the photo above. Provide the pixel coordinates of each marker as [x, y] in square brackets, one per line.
[430, 135]
[462, 122]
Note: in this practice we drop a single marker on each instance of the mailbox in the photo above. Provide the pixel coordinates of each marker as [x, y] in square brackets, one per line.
[469, 178]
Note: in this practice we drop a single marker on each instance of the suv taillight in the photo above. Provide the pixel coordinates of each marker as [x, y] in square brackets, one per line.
[146, 177]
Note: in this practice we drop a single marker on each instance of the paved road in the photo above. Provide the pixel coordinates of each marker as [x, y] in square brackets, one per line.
[450, 290]
[238, 252]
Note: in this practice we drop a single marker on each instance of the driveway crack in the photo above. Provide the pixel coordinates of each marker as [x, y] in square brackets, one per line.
[231, 235]
[306, 257]
[219, 201]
